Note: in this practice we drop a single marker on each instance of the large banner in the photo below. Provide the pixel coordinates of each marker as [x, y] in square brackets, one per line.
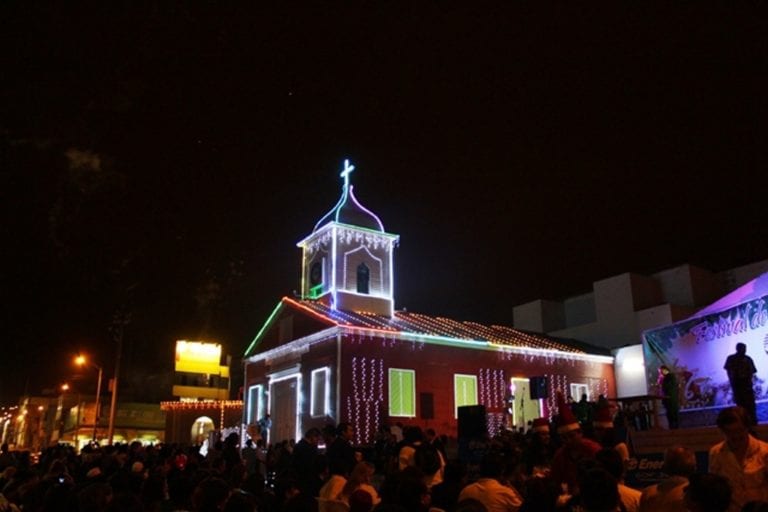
[695, 350]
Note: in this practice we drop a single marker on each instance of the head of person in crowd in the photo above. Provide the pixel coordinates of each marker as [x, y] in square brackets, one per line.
[345, 431]
[707, 492]
[679, 461]
[361, 474]
[360, 501]
[329, 434]
[455, 472]
[541, 432]
[492, 465]
[210, 494]
[413, 435]
[233, 439]
[240, 502]
[734, 422]
[413, 492]
[568, 427]
[470, 505]
[755, 506]
[95, 497]
[338, 467]
[312, 436]
[603, 425]
[741, 349]
[610, 460]
[599, 491]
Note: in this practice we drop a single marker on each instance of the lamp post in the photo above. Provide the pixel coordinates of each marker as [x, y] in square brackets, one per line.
[80, 361]
[58, 420]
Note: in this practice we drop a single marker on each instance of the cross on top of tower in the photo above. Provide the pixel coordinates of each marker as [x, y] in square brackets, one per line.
[346, 172]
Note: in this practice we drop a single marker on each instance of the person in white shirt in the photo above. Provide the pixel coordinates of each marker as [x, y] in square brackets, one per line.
[740, 458]
[489, 491]
[360, 480]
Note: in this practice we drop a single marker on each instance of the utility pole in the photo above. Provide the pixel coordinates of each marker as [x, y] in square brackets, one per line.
[120, 320]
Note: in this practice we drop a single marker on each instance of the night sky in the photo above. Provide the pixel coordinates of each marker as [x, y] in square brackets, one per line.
[160, 162]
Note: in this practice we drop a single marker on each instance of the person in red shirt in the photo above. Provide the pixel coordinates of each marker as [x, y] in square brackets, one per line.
[575, 448]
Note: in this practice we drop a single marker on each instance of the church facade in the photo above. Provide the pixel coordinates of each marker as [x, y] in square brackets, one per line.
[340, 351]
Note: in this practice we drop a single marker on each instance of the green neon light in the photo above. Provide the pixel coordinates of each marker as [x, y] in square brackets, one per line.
[266, 325]
[316, 291]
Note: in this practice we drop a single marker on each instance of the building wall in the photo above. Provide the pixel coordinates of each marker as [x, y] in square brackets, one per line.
[320, 355]
[364, 387]
[620, 308]
[179, 422]
[630, 371]
[541, 316]
[365, 393]
[580, 310]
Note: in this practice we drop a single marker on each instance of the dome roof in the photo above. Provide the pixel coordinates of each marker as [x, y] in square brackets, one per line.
[349, 210]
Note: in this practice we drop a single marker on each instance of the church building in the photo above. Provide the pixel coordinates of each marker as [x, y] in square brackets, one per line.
[340, 351]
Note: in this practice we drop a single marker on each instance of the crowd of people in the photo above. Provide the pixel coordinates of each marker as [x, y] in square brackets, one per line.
[566, 465]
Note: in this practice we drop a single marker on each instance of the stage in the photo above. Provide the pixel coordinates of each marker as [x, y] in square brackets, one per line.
[698, 439]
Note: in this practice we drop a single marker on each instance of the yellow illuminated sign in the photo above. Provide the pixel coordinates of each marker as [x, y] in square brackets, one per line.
[198, 357]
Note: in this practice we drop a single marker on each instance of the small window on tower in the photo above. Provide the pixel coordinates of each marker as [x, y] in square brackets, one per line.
[315, 280]
[363, 276]
[316, 274]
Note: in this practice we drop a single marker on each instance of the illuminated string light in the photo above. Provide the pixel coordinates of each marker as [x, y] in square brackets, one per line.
[347, 228]
[367, 396]
[201, 404]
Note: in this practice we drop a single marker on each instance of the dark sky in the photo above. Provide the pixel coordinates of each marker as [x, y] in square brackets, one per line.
[162, 160]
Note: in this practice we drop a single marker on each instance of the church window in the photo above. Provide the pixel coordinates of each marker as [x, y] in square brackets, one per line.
[319, 402]
[255, 409]
[402, 393]
[315, 280]
[363, 278]
[464, 391]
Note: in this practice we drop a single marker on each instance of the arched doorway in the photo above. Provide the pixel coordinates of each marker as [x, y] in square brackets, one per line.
[200, 429]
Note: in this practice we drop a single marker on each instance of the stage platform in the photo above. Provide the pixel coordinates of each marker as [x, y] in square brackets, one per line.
[698, 439]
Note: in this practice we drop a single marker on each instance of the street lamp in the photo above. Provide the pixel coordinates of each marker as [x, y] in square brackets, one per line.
[81, 361]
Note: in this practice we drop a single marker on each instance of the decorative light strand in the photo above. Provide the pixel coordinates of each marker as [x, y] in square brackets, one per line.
[202, 404]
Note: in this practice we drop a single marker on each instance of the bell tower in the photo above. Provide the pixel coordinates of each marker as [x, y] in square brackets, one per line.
[347, 259]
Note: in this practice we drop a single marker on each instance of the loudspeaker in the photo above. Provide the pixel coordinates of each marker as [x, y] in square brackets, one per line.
[427, 406]
[472, 421]
[538, 387]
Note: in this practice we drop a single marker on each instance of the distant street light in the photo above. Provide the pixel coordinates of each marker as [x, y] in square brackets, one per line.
[81, 361]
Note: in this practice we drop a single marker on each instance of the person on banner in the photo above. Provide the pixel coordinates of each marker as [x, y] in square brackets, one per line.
[669, 389]
[741, 368]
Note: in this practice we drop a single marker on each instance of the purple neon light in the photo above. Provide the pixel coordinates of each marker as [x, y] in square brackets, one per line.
[347, 192]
